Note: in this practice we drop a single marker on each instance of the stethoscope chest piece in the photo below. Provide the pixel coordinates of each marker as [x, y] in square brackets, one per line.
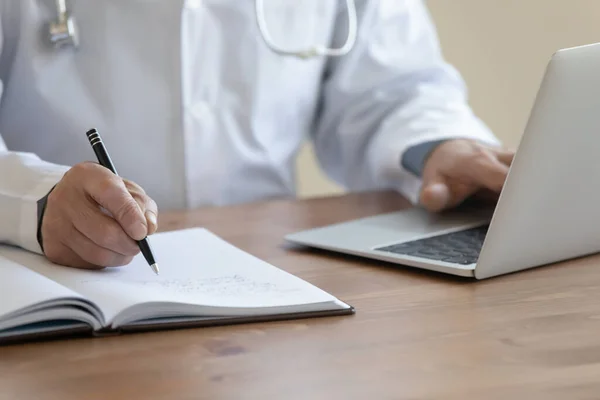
[63, 31]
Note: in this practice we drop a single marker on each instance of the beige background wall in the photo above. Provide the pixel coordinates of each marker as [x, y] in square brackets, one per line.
[501, 47]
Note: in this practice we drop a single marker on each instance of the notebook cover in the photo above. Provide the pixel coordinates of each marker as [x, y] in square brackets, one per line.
[222, 321]
[83, 332]
[61, 333]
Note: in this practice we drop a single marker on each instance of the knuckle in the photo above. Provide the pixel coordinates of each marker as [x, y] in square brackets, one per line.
[75, 170]
[80, 170]
[151, 204]
[478, 161]
[107, 184]
[133, 187]
[144, 201]
[139, 199]
[480, 153]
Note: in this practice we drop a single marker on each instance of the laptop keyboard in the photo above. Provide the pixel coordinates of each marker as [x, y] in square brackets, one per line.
[461, 247]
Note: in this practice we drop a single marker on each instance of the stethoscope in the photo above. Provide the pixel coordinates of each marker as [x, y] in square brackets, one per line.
[63, 32]
[316, 50]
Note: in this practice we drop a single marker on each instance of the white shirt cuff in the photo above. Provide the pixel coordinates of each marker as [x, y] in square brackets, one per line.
[29, 213]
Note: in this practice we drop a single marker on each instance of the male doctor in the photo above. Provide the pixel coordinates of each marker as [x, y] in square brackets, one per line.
[197, 110]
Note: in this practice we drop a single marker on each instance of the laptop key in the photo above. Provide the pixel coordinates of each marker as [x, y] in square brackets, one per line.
[461, 247]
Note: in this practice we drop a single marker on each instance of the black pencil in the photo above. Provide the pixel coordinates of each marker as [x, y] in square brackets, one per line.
[104, 160]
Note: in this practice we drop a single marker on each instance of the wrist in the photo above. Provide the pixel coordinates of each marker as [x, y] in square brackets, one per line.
[41, 209]
[415, 157]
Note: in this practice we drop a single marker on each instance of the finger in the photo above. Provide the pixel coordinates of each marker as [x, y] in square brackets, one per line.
[435, 194]
[461, 192]
[488, 173]
[146, 204]
[61, 254]
[505, 157]
[110, 192]
[440, 193]
[91, 253]
[151, 215]
[101, 229]
[149, 208]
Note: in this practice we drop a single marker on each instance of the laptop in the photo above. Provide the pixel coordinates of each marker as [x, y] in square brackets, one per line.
[549, 207]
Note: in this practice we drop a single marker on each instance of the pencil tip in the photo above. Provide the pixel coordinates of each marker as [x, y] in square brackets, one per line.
[155, 268]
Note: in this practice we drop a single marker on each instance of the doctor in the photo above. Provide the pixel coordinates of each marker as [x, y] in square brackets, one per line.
[201, 102]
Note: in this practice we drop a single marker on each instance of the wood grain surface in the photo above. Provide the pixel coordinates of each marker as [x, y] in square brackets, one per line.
[416, 335]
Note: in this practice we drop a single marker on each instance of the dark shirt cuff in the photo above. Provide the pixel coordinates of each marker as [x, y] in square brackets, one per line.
[41, 209]
[414, 158]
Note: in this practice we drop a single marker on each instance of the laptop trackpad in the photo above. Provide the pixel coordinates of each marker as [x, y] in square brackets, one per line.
[386, 229]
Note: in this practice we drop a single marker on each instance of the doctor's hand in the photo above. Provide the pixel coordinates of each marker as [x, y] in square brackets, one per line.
[93, 218]
[459, 169]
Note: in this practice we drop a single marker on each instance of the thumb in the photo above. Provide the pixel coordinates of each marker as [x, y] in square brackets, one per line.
[113, 196]
[505, 157]
[435, 195]
[440, 193]
[147, 205]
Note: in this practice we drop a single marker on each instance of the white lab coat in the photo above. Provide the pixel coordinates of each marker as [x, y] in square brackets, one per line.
[195, 108]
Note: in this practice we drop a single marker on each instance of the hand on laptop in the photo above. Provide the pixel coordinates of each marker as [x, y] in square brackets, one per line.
[459, 169]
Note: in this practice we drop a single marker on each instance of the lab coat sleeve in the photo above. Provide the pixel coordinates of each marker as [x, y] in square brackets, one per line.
[24, 177]
[394, 90]
[24, 180]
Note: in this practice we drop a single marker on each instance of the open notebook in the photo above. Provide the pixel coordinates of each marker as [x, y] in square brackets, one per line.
[203, 281]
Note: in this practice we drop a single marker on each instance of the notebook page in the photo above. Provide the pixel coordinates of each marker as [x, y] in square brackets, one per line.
[21, 288]
[196, 267]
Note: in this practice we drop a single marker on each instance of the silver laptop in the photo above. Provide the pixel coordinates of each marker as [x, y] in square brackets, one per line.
[549, 207]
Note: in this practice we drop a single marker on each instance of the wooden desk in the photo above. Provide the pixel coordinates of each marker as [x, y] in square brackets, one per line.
[416, 335]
